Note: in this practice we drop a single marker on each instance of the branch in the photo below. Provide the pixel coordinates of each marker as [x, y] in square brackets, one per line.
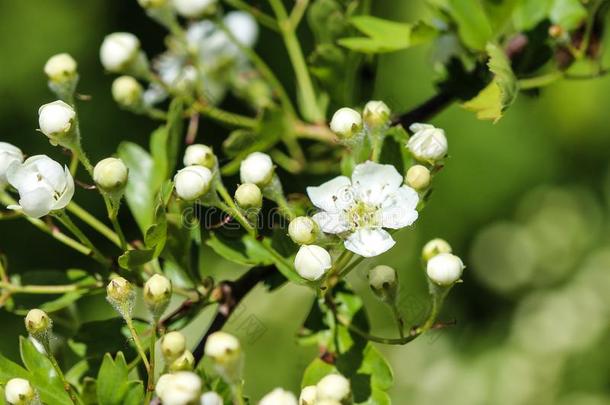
[232, 292]
[426, 110]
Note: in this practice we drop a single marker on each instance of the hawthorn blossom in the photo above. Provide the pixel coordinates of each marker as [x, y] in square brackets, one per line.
[428, 143]
[359, 208]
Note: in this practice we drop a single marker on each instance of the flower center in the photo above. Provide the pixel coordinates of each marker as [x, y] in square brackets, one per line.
[362, 215]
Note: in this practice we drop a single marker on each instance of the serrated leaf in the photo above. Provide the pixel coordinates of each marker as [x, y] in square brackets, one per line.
[113, 386]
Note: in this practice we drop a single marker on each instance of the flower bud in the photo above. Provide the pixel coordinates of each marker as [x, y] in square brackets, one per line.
[428, 143]
[19, 391]
[60, 68]
[38, 324]
[181, 388]
[56, 118]
[157, 294]
[152, 3]
[121, 295]
[383, 281]
[118, 51]
[185, 362]
[193, 8]
[127, 91]
[211, 398]
[308, 395]
[193, 182]
[434, 247]
[312, 262]
[243, 26]
[346, 123]
[376, 114]
[9, 155]
[333, 387]
[256, 168]
[225, 351]
[201, 155]
[303, 230]
[418, 177]
[248, 195]
[445, 269]
[173, 345]
[279, 396]
[110, 174]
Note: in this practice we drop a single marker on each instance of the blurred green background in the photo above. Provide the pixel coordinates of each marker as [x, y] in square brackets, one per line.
[524, 202]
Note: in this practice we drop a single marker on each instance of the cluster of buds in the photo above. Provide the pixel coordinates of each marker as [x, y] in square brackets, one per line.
[331, 389]
[195, 180]
[175, 353]
[442, 267]
[349, 124]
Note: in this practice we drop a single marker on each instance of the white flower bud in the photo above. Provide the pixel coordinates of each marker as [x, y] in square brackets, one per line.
[157, 294]
[225, 351]
[56, 118]
[211, 398]
[383, 281]
[201, 155]
[173, 345]
[185, 362]
[19, 391]
[181, 388]
[303, 230]
[110, 174]
[445, 269]
[418, 177]
[376, 114]
[43, 185]
[118, 51]
[121, 295]
[9, 155]
[193, 182]
[248, 195]
[38, 324]
[428, 143]
[256, 168]
[312, 262]
[243, 27]
[152, 3]
[193, 8]
[333, 387]
[308, 395]
[279, 396]
[434, 247]
[346, 123]
[127, 91]
[60, 67]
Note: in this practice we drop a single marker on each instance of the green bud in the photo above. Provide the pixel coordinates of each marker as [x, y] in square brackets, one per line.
[157, 294]
[38, 324]
[173, 345]
[127, 91]
[303, 230]
[435, 247]
[121, 295]
[418, 177]
[185, 362]
[249, 195]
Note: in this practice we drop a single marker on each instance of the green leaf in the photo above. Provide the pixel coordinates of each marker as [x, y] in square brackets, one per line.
[569, 14]
[386, 36]
[315, 371]
[131, 259]
[529, 13]
[474, 27]
[112, 384]
[165, 142]
[9, 370]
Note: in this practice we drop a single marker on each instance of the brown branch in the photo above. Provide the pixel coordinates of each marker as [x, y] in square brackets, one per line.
[426, 110]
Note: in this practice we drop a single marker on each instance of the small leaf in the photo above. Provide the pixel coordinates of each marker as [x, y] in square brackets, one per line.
[131, 259]
[112, 380]
[529, 13]
[569, 14]
[474, 27]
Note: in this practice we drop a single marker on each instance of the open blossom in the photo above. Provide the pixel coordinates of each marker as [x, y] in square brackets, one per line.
[360, 208]
[9, 154]
[43, 185]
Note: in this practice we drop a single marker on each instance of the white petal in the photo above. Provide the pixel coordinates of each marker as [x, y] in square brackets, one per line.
[398, 210]
[36, 203]
[68, 193]
[369, 242]
[331, 222]
[52, 172]
[332, 196]
[374, 182]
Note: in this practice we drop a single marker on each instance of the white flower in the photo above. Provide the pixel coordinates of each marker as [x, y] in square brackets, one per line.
[243, 27]
[249, 195]
[19, 391]
[376, 114]
[211, 398]
[193, 182]
[428, 143]
[126, 91]
[418, 177]
[201, 155]
[110, 174]
[434, 247]
[346, 122]
[9, 155]
[303, 230]
[445, 269]
[279, 396]
[43, 185]
[118, 50]
[173, 344]
[192, 8]
[256, 168]
[308, 395]
[55, 118]
[181, 388]
[312, 262]
[334, 387]
[359, 208]
[60, 67]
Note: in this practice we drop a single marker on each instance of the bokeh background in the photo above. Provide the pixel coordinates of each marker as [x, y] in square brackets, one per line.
[524, 202]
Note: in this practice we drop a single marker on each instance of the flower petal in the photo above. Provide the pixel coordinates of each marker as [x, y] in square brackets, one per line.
[331, 222]
[52, 172]
[374, 182]
[68, 193]
[36, 203]
[332, 196]
[369, 242]
[398, 210]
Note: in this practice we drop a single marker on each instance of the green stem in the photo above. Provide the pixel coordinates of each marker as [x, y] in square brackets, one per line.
[46, 289]
[113, 211]
[351, 266]
[237, 390]
[74, 164]
[225, 117]
[233, 209]
[297, 13]
[63, 217]
[138, 343]
[150, 385]
[94, 223]
[400, 323]
[71, 392]
[540, 81]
